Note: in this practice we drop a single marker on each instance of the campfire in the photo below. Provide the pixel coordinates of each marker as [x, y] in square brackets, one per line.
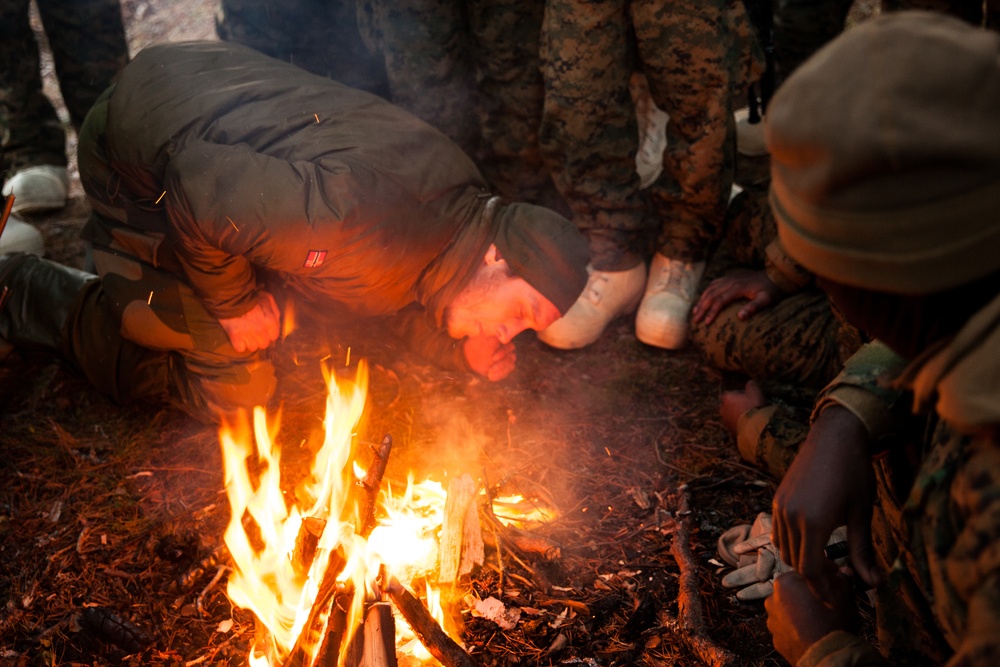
[318, 569]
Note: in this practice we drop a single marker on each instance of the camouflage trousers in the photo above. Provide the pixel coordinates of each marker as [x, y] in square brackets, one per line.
[319, 36]
[89, 49]
[472, 70]
[140, 301]
[697, 57]
[792, 348]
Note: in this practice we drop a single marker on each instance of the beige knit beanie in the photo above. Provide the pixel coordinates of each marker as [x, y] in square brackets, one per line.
[885, 150]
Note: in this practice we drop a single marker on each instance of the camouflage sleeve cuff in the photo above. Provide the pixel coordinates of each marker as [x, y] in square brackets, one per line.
[787, 274]
[861, 389]
[749, 428]
[841, 649]
[869, 408]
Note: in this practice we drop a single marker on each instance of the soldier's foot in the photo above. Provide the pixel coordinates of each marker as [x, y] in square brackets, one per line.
[665, 310]
[19, 236]
[38, 189]
[607, 296]
[736, 403]
[749, 136]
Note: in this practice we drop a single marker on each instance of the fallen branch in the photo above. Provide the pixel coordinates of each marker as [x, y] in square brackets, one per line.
[692, 619]
[434, 639]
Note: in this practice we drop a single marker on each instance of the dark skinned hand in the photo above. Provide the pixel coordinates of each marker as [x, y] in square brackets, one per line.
[798, 618]
[489, 357]
[830, 483]
[754, 286]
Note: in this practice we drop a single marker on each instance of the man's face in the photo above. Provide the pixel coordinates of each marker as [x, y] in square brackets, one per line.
[498, 303]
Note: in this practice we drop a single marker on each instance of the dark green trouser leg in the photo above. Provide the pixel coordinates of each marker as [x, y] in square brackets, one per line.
[48, 306]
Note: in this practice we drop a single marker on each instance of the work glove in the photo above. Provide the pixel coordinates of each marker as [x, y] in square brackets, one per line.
[748, 548]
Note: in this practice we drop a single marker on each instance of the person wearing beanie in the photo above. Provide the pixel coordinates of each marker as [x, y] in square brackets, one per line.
[227, 187]
[885, 153]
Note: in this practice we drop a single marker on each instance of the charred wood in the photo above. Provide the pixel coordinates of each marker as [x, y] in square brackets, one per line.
[372, 483]
[109, 627]
[434, 639]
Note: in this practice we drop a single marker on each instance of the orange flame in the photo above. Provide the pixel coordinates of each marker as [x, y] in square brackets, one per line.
[266, 580]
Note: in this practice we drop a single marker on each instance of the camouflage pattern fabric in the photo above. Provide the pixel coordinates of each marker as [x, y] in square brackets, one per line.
[319, 36]
[800, 340]
[472, 70]
[506, 35]
[769, 437]
[934, 529]
[89, 49]
[696, 56]
[425, 47]
[792, 348]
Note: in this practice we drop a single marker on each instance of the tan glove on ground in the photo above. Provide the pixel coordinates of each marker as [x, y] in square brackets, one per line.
[748, 548]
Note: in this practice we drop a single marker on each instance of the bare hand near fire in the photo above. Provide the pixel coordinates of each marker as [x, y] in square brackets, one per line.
[255, 329]
[754, 286]
[489, 357]
[830, 483]
[798, 618]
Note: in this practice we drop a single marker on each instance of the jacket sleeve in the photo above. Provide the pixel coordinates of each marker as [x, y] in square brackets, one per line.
[232, 209]
[413, 326]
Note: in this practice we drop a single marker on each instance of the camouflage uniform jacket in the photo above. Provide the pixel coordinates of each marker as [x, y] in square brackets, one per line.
[946, 522]
[240, 168]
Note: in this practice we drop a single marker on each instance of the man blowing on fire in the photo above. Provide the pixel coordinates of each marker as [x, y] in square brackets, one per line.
[225, 184]
[886, 184]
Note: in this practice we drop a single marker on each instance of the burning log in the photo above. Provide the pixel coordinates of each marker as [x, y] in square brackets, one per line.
[461, 535]
[375, 646]
[530, 543]
[371, 483]
[186, 581]
[692, 620]
[316, 624]
[324, 624]
[434, 639]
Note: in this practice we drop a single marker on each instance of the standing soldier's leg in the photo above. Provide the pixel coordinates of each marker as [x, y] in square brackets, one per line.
[88, 45]
[320, 36]
[698, 56]
[506, 37]
[589, 137]
[425, 47]
[31, 131]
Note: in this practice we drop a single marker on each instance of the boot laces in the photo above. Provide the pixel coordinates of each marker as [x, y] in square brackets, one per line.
[595, 286]
[675, 277]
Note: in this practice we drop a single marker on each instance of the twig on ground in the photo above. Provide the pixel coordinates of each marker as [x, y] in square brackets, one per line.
[691, 622]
